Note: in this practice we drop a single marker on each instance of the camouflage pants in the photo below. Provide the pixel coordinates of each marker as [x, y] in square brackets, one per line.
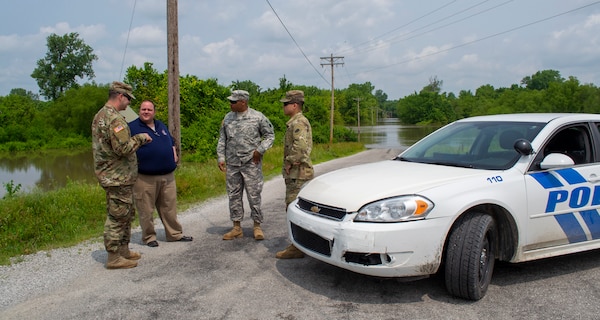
[292, 187]
[250, 178]
[120, 214]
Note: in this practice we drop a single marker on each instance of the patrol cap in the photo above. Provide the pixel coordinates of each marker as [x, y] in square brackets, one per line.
[239, 95]
[123, 88]
[293, 96]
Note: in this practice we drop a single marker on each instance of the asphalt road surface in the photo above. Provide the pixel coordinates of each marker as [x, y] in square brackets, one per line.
[241, 279]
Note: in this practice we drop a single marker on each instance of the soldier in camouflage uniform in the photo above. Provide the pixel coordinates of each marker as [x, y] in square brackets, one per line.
[297, 166]
[115, 166]
[244, 137]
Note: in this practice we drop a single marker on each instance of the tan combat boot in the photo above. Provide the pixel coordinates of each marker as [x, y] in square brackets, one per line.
[236, 232]
[127, 254]
[291, 252]
[258, 233]
[115, 261]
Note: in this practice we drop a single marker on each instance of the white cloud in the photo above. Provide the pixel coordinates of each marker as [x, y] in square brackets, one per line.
[12, 43]
[146, 36]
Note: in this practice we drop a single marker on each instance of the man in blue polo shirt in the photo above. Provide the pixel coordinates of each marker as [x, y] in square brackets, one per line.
[155, 186]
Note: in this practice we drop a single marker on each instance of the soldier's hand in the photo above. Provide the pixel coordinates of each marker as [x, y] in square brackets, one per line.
[148, 138]
[288, 166]
[222, 166]
[256, 157]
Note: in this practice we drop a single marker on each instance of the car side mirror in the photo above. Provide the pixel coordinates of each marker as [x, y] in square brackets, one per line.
[556, 160]
[523, 147]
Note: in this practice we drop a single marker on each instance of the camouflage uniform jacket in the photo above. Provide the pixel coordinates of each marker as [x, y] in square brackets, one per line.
[115, 161]
[297, 148]
[241, 133]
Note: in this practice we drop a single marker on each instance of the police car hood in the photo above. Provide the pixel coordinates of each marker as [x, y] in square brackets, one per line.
[351, 188]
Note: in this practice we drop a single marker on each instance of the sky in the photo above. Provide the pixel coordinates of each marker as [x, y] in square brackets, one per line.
[398, 46]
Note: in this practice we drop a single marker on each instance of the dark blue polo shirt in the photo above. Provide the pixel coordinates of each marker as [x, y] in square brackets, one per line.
[156, 157]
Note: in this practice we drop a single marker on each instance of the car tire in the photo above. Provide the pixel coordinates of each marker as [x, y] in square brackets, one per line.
[470, 256]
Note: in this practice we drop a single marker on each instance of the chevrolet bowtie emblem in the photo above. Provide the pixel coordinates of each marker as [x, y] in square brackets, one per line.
[315, 209]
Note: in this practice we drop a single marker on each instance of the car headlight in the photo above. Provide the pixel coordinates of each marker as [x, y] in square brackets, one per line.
[404, 208]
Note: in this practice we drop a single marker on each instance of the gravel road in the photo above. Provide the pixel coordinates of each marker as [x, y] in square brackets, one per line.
[241, 279]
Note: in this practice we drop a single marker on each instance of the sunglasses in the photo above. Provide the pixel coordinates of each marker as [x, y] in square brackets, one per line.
[286, 103]
[126, 96]
[232, 102]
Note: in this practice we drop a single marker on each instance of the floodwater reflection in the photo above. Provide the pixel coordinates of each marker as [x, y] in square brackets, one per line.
[45, 171]
[389, 133]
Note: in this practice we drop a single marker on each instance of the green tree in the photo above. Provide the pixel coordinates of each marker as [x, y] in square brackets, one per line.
[428, 106]
[67, 59]
[589, 97]
[21, 123]
[73, 112]
[354, 96]
[24, 93]
[252, 88]
[284, 84]
[541, 80]
[434, 85]
[148, 84]
[382, 100]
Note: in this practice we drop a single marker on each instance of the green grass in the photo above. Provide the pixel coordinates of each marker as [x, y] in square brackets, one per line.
[35, 221]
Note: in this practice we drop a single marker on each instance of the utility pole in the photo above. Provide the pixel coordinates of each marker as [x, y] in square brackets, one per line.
[173, 74]
[358, 115]
[331, 61]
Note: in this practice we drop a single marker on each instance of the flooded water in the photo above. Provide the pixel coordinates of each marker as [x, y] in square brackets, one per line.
[390, 134]
[46, 171]
[50, 171]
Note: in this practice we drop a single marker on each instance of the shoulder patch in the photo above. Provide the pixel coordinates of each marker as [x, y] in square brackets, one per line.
[118, 128]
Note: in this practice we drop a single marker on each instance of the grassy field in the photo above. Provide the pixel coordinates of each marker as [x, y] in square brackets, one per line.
[35, 221]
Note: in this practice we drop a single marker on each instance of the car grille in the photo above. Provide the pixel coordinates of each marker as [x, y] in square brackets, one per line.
[311, 240]
[321, 209]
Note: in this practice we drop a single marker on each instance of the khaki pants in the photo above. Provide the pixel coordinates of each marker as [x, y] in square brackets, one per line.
[157, 192]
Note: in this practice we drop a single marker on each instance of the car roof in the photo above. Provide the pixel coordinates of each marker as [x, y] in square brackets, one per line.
[535, 117]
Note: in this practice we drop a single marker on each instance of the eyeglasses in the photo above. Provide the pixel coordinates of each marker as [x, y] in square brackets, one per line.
[126, 96]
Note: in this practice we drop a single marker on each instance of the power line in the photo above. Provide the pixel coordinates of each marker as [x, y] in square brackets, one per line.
[481, 39]
[400, 27]
[127, 41]
[404, 36]
[296, 43]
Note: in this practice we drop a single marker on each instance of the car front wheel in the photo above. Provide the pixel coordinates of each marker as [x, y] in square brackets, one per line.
[470, 256]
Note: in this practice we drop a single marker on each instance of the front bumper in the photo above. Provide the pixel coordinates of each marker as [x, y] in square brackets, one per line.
[403, 249]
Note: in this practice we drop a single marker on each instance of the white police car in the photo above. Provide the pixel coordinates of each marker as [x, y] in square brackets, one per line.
[513, 188]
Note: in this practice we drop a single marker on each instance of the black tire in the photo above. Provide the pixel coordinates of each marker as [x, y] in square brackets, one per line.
[470, 256]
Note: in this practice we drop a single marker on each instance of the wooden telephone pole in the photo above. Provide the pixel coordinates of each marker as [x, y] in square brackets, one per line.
[173, 74]
[332, 61]
[358, 115]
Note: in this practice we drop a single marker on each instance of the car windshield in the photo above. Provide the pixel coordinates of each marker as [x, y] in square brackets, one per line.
[479, 145]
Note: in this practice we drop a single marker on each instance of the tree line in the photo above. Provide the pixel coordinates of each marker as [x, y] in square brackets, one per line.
[544, 91]
[63, 120]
